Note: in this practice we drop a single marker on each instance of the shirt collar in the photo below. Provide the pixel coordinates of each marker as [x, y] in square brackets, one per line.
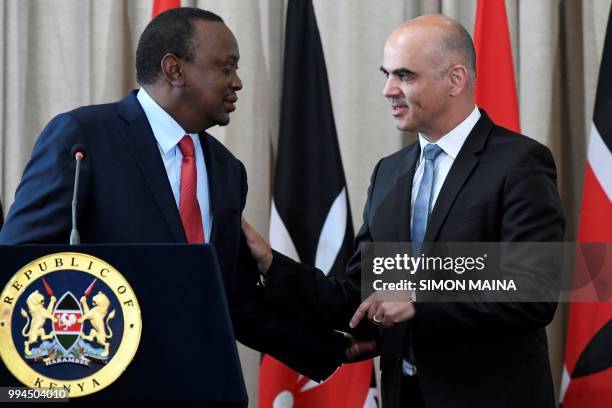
[166, 130]
[452, 142]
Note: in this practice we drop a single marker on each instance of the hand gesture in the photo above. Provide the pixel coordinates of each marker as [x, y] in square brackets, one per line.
[383, 312]
[260, 249]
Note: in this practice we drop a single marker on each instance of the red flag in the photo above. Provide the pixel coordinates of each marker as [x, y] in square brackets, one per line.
[495, 90]
[587, 372]
[159, 6]
[286, 388]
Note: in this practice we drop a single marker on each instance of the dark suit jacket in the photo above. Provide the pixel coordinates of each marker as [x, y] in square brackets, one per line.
[125, 197]
[501, 187]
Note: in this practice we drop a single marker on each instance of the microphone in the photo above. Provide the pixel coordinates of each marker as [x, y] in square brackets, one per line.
[78, 152]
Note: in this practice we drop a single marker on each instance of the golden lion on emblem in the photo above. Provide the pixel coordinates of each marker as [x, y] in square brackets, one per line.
[40, 314]
[96, 316]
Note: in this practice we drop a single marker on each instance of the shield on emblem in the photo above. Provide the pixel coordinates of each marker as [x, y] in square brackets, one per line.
[67, 328]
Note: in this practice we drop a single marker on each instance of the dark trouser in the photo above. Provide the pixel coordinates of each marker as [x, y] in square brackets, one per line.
[411, 392]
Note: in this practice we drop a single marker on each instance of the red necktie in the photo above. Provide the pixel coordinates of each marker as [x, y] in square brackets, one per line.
[189, 208]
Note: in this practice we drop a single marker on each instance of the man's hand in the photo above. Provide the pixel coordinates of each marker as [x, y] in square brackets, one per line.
[382, 312]
[260, 249]
[359, 350]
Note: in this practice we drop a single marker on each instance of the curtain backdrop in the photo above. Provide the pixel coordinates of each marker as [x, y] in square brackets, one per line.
[60, 54]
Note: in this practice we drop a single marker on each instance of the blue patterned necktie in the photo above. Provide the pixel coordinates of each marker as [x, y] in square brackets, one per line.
[422, 204]
[421, 211]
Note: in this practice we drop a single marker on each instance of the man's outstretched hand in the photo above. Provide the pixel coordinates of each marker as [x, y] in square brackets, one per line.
[359, 350]
[382, 312]
[260, 249]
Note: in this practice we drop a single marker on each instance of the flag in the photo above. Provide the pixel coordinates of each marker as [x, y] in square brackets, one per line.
[587, 370]
[310, 216]
[159, 6]
[495, 90]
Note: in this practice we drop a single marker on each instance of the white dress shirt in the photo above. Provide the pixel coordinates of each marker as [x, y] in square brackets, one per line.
[168, 134]
[450, 144]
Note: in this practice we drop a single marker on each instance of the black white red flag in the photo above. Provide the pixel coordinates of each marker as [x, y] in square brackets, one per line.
[587, 372]
[310, 217]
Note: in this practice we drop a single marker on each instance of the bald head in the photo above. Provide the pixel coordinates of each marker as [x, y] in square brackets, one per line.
[429, 63]
[446, 41]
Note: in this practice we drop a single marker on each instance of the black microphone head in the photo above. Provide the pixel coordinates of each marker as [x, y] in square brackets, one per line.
[78, 148]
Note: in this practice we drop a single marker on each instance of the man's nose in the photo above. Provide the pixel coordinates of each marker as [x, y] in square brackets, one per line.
[391, 88]
[236, 82]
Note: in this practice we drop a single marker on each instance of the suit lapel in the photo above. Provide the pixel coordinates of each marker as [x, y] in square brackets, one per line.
[139, 137]
[458, 174]
[404, 193]
[214, 170]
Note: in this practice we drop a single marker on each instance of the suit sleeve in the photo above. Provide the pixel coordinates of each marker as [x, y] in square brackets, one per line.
[41, 212]
[298, 342]
[327, 300]
[531, 212]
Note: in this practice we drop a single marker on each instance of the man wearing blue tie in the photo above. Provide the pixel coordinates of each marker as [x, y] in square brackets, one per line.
[464, 180]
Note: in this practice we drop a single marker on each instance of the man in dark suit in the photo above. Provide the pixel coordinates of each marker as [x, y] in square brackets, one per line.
[153, 175]
[465, 180]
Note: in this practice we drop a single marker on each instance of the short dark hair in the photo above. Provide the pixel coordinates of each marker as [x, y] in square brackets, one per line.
[171, 32]
[460, 42]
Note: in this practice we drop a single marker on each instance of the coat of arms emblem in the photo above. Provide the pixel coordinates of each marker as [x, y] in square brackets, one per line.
[68, 341]
[65, 319]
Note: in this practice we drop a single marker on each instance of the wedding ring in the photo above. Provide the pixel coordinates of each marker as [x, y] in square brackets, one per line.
[376, 321]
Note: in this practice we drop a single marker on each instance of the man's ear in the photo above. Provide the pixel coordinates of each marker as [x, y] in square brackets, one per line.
[458, 77]
[172, 70]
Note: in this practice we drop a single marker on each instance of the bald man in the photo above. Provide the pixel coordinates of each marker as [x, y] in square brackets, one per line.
[465, 180]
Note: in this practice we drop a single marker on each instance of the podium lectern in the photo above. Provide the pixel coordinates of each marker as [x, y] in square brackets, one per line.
[72, 314]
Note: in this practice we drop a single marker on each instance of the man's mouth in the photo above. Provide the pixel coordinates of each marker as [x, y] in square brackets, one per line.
[398, 109]
[231, 101]
[398, 106]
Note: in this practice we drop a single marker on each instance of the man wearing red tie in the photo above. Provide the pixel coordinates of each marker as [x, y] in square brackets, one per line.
[153, 175]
